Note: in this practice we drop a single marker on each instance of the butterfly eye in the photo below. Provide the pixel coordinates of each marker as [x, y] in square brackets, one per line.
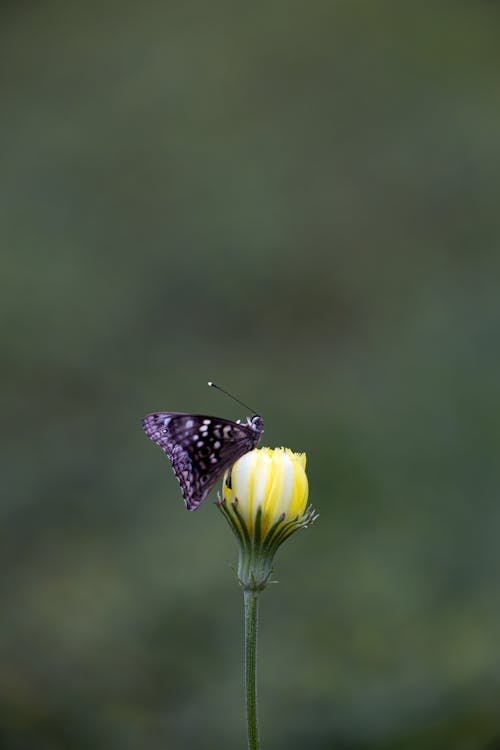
[257, 423]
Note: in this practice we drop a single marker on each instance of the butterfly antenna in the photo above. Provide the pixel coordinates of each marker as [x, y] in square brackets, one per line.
[214, 385]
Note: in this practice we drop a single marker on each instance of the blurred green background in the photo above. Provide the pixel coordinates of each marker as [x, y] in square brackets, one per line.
[300, 201]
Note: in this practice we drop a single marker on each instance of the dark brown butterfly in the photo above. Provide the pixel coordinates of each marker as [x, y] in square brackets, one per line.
[200, 447]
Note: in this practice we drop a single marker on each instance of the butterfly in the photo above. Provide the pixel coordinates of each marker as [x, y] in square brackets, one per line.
[201, 448]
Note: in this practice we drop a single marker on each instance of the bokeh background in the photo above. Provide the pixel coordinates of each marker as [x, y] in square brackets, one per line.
[301, 201]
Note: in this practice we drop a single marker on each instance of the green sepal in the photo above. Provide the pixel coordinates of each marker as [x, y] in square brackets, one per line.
[256, 553]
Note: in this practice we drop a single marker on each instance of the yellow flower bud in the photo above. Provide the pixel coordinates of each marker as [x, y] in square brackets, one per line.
[273, 480]
[264, 500]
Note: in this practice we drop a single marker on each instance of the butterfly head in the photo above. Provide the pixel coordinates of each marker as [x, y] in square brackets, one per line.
[256, 423]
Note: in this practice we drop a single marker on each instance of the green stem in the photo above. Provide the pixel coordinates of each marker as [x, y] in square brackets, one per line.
[251, 618]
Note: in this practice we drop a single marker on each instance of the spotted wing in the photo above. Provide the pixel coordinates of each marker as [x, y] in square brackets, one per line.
[199, 447]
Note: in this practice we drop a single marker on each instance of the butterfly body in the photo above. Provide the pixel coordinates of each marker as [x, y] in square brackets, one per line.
[201, 447]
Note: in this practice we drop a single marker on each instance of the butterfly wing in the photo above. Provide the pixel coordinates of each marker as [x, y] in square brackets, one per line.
[200, 448]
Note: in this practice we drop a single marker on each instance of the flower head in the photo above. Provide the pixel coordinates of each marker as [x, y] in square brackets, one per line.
[264, 501]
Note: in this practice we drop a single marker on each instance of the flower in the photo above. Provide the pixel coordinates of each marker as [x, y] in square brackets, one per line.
[264, 500]
[273, 480]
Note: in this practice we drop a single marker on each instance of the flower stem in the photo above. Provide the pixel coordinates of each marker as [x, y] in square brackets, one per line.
[251, 619]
